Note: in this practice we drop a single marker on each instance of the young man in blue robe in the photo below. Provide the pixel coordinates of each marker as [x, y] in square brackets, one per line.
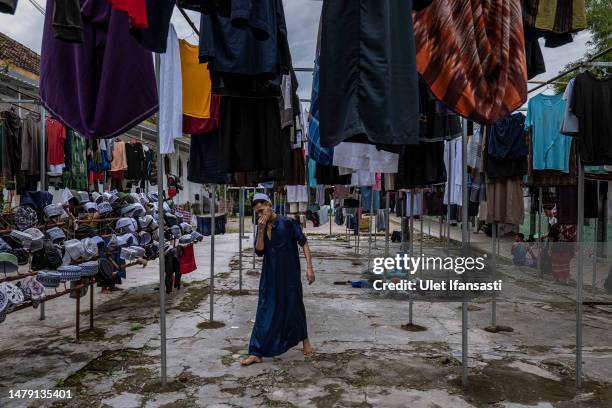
[280, 323]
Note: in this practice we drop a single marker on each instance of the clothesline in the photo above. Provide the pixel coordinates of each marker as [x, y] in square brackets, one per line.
[570, 70]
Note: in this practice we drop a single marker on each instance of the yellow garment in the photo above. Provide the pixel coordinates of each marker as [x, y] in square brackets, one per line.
[547, 10]
[196, 82]
[579, 21]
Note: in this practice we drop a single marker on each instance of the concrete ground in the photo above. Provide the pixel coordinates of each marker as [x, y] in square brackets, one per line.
[365, 354]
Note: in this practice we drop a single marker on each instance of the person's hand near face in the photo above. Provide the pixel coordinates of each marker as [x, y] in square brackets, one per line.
[263, 217]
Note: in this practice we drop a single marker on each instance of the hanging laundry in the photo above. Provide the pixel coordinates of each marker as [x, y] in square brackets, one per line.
[341, 192]
[323, 215]
[187, 260]
[504, 203]
[195, 81]
[8, 6]
[420, 165]
[417, 204]
[233, 48]
[533, 53]
[77, 177]
[389, 179]
[455, 177]
[67, 21]
[294, 172]
[170, 95]
[286, 110]
[549, 178]
[154, 37]
[251, 137]
[571, 125]
[507, 149]
[362, 178]
[11, 145]
[551, 149]
[312, 173]
[297, 194]
[316, 152]
[135, 9]
[56, 137]
[330, 176]
[452, 40]
[197, 126]
[370, 200]
[374, 91]
[119, 162]
[361, 156]
[204, 160]
[561, 16]
[591, 103]
[107, 84]
[30, 146]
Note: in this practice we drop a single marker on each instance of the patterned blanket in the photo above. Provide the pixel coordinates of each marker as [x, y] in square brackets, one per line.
[472, 55]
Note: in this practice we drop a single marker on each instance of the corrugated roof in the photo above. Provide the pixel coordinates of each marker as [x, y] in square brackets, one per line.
[19, 55]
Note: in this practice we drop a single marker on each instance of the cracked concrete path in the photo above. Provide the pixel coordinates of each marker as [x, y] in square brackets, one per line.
[364, 356]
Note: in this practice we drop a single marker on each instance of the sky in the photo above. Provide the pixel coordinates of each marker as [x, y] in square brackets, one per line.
[302, 21]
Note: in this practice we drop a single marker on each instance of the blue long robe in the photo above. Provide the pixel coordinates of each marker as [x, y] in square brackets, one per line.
[280, 323]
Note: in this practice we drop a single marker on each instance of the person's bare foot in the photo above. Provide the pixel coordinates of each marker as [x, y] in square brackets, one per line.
[250, 360]
[307, 348]
[105, 291]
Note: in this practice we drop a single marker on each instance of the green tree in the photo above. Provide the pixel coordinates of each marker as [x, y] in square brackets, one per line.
[599, 20]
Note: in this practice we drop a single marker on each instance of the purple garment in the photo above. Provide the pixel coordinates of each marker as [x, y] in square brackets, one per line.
[103, 86]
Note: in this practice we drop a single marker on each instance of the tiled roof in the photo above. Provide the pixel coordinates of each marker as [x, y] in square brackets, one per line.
[19, 55]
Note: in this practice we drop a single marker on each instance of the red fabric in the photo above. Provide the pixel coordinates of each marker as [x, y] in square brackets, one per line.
[118, 175]
[56, 137]
[560, 260]
[135, 9]
[93, 176]
[196, 126]
[172, 192]
[187, 260]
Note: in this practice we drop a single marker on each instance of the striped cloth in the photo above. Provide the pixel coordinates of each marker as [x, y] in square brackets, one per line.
[472, 55]
[185, 215]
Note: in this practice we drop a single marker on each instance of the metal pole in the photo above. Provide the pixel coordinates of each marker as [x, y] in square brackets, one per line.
[241, 233]
[212, 250]
[466, 248]
[359, 224]
[162, 244]
[78, 317]
[421, 222]
[596, 240]
[387, 213]
[493, 273]
[42, 311]
[540, 242]
[579, 279]
[91, 306]
[370, 229]
[464, 343]
[43, 149]
[403, 212]
[448, 195]
[411, 249]
[465, 230]
[254, 221]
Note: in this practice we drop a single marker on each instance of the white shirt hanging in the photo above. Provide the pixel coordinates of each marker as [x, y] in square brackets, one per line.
[170, 95]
